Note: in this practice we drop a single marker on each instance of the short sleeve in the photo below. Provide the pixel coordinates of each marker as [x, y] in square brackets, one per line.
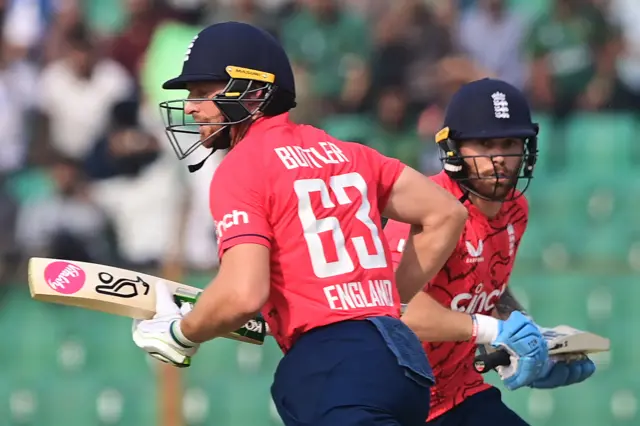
[387, 170]
[396, 234]
[238, 206]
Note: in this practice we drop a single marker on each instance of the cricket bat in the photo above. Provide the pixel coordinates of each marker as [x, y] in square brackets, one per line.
[115, 291]
[564, 342]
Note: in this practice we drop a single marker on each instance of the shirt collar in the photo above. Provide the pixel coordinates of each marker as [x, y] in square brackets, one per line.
[264, 123]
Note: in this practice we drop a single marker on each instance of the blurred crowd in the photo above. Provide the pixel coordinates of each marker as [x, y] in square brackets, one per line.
[86, 172]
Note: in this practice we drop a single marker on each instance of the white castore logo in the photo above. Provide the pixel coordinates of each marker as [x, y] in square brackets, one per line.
[475, 253]
[512, 239]
[188, 53]
[500, 105]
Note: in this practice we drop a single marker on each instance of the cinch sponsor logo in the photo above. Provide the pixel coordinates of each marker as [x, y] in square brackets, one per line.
[236, 217]
[64, 277]
[479, 302]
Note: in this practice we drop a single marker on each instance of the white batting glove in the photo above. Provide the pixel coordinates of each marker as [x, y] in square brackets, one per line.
[161, 337]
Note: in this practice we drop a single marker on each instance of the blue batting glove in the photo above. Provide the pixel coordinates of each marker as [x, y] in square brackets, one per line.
[558, 373]
[522, 338]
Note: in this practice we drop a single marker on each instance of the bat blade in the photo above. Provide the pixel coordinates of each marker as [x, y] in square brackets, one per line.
[563, 339]
[97, 287]
[114, 291]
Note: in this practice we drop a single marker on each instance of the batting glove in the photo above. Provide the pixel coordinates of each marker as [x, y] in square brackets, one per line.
[522, 339]
[560, 372]
[161, 336]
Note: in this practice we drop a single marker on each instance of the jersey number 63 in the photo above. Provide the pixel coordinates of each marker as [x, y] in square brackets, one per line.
[312, 226]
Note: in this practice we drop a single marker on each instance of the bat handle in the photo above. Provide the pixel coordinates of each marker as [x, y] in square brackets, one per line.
[487, 362]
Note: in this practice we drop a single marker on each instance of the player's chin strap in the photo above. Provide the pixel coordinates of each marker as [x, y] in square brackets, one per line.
[195, 167]
[223, 142]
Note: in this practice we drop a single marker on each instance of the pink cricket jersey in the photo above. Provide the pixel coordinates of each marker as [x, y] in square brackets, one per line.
[316, 203]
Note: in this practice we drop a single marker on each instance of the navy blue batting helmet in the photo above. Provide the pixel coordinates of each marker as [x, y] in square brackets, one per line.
[255, 68]
[487, 109]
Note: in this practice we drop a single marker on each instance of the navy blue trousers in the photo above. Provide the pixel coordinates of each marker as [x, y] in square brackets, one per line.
[482, 409]
[354, 373]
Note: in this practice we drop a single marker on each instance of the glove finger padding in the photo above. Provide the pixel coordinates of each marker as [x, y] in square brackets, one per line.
[163, 351]
[580, 371]
[563, 373]
[165, 305]
[556, 375]
[527, 369]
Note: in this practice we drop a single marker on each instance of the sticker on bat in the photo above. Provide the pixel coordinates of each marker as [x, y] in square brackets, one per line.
[188, 295]
[253, 325]
[64, 277]
[122, 287]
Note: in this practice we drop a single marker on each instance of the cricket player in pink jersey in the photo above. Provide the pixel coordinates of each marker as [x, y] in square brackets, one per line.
[298, 219]
[489, 146]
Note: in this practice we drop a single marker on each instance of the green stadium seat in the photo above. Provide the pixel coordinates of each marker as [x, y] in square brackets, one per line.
[216, 358]
[622, 391]
[87, 401]
[272, 355]
[581, 404]
[561, 200]
[555, 298]
[607, 398]
[628, 202]
[220, 391]
[36, 353]
[601, 144]
[605, 246]
[546, 140]
[589, 216]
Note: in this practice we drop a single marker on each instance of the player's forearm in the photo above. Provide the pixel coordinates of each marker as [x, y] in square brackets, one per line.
[218, 312]
[432, 322]
[427, 250]
[507, 304]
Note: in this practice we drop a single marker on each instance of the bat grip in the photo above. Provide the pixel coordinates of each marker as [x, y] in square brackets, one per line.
[487, 362]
